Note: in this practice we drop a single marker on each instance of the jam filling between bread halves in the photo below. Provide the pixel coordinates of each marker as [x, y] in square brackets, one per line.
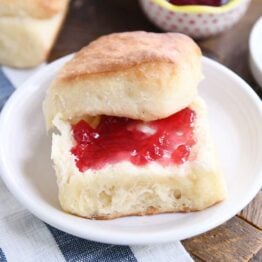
[115, 139]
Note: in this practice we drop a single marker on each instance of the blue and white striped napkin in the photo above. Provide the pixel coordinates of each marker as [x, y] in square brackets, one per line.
[25, 238]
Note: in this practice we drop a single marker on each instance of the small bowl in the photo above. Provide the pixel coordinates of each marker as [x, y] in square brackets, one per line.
[255, 51]
[197, 21]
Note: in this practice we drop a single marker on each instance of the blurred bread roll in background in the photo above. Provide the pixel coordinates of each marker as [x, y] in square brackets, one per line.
[28, 29]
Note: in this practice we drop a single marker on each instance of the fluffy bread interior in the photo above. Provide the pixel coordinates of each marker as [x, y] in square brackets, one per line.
[124, 189]
[138, 75]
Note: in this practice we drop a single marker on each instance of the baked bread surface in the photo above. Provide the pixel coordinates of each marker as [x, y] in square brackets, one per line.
[125, 189]
[32, 8]
[28, 30]
[138, 75]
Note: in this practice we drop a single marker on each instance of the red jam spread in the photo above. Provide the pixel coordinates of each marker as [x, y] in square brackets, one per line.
[115, 139]
[199, 2]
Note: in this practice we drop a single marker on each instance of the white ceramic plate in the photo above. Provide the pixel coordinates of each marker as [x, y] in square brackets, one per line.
[255, 51]
[236, 120]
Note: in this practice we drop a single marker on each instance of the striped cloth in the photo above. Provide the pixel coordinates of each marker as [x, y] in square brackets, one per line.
[23, 237]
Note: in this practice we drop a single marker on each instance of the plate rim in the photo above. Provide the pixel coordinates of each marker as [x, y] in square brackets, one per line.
[101, 235]
[254, 62]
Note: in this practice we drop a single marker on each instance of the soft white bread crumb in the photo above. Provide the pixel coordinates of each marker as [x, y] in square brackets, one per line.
[26, 41]
[139, 75]
[125, 189]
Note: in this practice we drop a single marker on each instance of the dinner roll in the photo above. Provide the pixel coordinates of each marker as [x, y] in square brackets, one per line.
[28, 29]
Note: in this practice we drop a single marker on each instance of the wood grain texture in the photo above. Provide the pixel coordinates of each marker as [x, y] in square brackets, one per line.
[253, 212]
[196, 259]
[235, 240]
[257, 257]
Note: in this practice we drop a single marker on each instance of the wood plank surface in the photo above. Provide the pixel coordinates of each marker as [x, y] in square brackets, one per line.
[257, 257]
[235, 240]
[240, 238]
[253, 212]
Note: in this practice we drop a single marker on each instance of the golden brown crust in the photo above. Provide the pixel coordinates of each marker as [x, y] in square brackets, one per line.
[139, 75]
[120, 51]
[149, 212]
[41, 9]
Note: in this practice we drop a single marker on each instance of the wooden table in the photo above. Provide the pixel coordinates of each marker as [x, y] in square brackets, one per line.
[240, 239]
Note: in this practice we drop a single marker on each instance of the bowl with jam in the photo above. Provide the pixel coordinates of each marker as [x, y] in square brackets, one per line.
[197, 18]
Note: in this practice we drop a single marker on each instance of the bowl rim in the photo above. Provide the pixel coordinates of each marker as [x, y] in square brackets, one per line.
[199, 8]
